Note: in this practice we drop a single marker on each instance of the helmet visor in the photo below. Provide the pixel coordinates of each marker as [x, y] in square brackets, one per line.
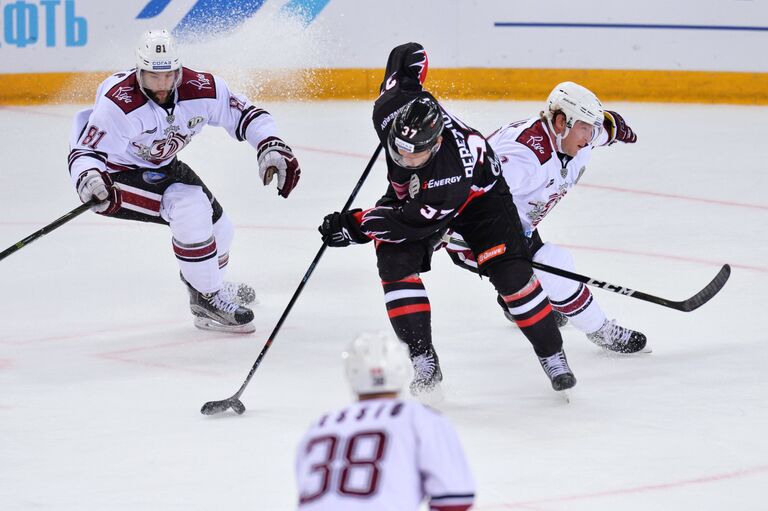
[408, 156]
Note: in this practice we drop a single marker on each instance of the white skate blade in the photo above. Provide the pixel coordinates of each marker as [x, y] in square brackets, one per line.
[565, 395]
[209, 324]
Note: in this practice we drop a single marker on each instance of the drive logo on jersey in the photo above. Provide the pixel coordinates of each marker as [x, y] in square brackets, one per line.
[491, 253]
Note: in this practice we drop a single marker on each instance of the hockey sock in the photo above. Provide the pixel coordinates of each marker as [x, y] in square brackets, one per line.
[583, 311]
[409, 312]
[532, 312]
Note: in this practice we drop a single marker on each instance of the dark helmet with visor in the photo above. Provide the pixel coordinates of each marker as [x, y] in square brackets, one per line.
[416, 128]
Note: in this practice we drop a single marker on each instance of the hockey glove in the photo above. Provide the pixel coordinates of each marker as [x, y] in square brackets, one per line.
[342, 229]
[277, 158]
[93, 184]
[617, 128]
[409, 60]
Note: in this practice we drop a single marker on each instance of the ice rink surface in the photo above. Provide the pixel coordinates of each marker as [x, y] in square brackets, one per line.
[102, 374]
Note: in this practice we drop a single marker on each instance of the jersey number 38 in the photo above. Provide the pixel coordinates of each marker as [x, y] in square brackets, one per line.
[350, 468]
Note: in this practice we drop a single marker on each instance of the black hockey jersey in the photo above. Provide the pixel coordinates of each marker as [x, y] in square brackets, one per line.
[421, 202]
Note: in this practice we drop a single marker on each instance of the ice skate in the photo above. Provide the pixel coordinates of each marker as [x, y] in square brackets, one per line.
[556, 367]
[560, 319]
[239, 293]
[613, 337]
[426, 374]
[213, 311]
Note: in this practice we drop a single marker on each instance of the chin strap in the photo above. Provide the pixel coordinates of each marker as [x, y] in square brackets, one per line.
[558, 138]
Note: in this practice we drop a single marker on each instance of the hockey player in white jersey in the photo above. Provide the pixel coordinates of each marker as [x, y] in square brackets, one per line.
[123, 153]
[382, 453]
[542, 158]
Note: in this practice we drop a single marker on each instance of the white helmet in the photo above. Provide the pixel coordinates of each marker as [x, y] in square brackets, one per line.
[157, 53]
[377, 363]
[577, 103]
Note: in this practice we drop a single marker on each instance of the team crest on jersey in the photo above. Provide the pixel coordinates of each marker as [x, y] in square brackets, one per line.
[162, 150]
[413, 186]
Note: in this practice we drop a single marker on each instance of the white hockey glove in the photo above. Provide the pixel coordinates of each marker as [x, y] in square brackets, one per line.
[277, 158]
[93, 184]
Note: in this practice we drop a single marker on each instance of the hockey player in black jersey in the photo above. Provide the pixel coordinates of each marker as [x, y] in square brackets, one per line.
[443, 175]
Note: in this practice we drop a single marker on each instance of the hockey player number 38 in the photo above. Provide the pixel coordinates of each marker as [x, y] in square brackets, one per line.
[357, 473]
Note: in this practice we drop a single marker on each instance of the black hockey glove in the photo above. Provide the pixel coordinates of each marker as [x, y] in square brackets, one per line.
[410, 61]
[618, 129]
[342, 229]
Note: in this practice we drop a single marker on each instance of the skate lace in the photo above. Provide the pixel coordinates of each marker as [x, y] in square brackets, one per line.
[555, 365]
[423, 367]
[617, 334]
[237, 292]
[221, 304]
[612, 333]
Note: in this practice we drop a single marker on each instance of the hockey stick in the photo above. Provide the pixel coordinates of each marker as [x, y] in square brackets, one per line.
[688, 305]
[214, 407]
[82, 208]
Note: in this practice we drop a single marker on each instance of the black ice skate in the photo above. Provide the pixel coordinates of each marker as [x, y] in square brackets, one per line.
[426, 373]
[616, 338]
[556, 367]
[213, 311]
[560, 319]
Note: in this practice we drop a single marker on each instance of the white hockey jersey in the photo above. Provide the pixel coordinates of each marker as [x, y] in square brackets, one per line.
[382, 454]
[125, 130]
[536, 176]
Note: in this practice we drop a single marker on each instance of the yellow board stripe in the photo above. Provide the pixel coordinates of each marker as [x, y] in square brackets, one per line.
[460, 83]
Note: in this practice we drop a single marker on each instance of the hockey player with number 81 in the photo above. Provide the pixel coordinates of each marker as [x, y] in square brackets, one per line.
[124, 156]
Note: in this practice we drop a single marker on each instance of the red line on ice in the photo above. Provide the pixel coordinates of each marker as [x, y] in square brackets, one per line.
[629, 491]
[707, 262]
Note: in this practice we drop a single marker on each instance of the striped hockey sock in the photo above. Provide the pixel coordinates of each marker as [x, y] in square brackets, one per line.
[409, 312]
[532, 312]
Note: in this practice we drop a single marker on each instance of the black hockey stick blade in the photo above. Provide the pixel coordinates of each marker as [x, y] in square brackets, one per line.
[216, 407]
[707, 293]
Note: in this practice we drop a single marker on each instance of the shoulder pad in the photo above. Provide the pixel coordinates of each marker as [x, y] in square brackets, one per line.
[536, 139]
[196, 85]
[126, 94]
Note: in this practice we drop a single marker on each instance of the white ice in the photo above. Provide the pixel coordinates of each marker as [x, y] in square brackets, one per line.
[102, 374]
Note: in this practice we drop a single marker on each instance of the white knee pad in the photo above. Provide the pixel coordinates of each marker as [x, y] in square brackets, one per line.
[557, 288]
[188, 210]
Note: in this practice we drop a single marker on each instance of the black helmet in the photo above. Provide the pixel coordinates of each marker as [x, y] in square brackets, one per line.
[416, 128]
